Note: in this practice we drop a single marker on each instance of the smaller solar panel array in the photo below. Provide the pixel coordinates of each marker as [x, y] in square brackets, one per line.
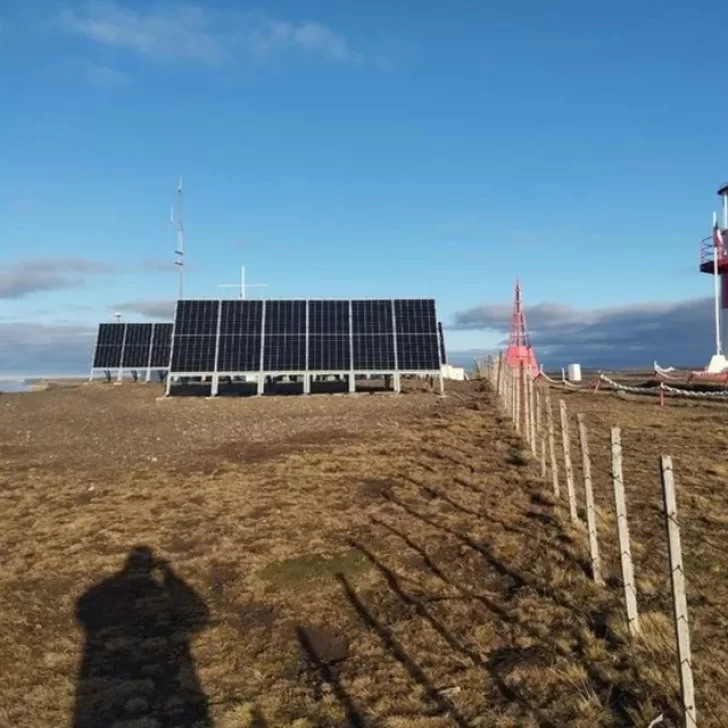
[443, 353]
[133, 346]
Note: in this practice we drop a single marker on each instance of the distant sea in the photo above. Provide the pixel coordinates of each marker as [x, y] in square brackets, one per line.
[13, 386]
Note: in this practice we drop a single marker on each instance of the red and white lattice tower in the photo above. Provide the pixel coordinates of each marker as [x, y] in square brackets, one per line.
[519, 349]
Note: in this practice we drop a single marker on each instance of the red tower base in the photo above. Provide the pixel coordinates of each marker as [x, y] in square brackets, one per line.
[517, 355]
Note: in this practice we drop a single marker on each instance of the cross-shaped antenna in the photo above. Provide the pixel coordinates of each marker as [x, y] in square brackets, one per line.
[242, 285]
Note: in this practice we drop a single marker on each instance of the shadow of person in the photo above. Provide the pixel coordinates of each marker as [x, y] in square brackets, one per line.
[137, 668]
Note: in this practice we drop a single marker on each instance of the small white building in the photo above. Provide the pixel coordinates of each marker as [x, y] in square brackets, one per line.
[451, 372]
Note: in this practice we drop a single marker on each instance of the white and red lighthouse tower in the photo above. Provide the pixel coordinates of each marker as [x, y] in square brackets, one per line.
[714, 260]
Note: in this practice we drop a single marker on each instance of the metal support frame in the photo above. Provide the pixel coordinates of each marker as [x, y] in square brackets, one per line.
[261, 375]
[215, 379]
[352, 376]
[396, 381]
[168, 386]
[120, 372]
[307, 377]
[149, 360]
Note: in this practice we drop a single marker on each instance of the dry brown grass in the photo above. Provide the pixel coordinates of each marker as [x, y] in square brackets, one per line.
[693, 432]
[372, 561]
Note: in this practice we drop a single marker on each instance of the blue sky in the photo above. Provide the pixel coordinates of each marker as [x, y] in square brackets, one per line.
[359, 149]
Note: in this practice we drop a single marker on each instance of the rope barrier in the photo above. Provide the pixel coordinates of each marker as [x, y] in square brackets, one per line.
[666, 388]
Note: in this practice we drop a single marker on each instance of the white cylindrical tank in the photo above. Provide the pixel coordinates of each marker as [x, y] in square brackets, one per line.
[574, 372]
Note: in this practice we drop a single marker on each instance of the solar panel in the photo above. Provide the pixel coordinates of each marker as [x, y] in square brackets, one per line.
[296, 336]
[133, 346]
[137, 341]
[374, 353]
[328, 318]
[416, 316]
[241, 324]
[417, 352]
[329, 340]
[371, 317]
[417, 344]
[194, 342]
[284, 336]
[109, 343]
[161, 346]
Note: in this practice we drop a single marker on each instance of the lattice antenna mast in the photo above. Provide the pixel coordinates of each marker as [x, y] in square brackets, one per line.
[177, 219]
[519, 331]
[243, 286]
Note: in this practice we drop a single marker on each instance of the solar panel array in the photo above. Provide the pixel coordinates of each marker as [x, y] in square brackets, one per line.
[294, 336]
[443, 354]
[133, 346]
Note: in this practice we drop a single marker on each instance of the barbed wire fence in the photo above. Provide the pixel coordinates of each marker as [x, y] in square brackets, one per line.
[528, 403]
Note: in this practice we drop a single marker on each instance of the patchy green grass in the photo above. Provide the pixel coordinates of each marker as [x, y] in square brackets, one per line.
[309, 570]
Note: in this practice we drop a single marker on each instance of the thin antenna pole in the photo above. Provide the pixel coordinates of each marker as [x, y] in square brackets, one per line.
[716, 291]
[177, 219]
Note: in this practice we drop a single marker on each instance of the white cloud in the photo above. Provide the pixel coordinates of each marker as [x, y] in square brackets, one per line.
[24, 277]
[184, 32]
[105, 76]
[156, 309]
[31, 348]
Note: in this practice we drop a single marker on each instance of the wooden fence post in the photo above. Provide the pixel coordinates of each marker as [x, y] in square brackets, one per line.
[499, 381]
[526, 418]
[568, 469]
[532, 412]
[552, 445]
[625, 552]
[679, 600]
[521, 384]
[543, 456]
[506, 394]
[591, 519]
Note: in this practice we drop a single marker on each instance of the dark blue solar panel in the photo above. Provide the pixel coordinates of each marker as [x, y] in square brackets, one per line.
[418, 352]
[372, 317]
[108, 346]
[374, 353]
[416, 316]
[328, 318]
[192, 354]
[285, 318]
[196, 318]
[241, 323]
[284, 353]
[329, 353]
[137, 342]
[161, 346]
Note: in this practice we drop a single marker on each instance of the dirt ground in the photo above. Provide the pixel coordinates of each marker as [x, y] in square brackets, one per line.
[332, 561]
